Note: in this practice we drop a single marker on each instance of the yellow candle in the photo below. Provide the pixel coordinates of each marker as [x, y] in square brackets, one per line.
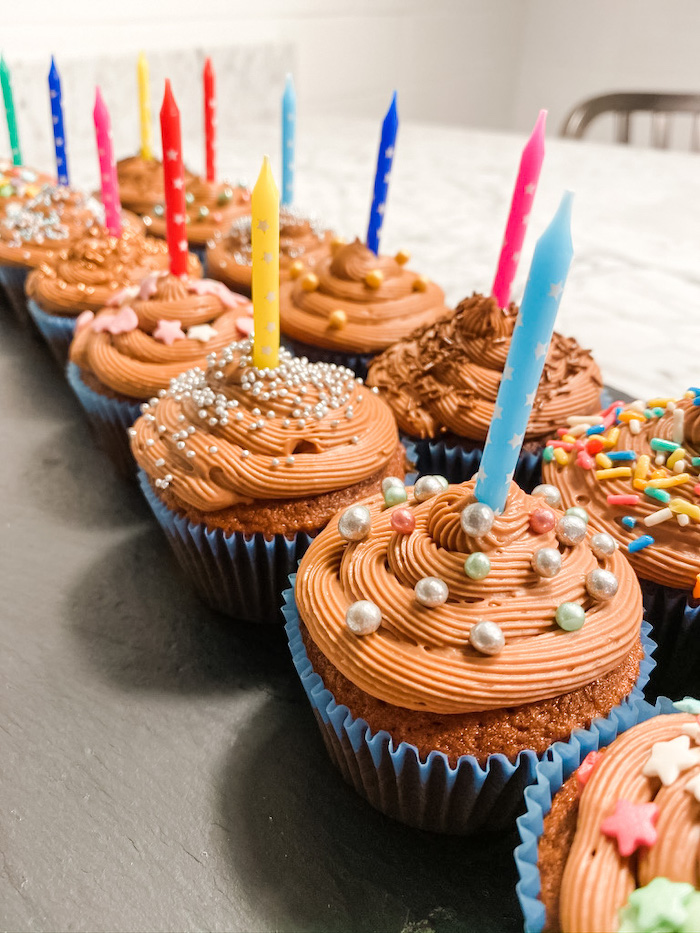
[145, 108]
[265, 229]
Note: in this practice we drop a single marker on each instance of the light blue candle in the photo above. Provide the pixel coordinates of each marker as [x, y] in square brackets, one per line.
[59, 134]
[385, 159]
[289, 123]
[526, 358]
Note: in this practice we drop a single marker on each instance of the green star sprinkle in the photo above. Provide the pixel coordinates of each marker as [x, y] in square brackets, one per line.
[688, 705]
[659, 907]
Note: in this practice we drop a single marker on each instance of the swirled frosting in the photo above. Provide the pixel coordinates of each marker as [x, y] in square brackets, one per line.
[232, 434]
[19, 183]
[211, 207]
[671, 556]
[421, 658]
[155, 330]
[141, 183]
[87, 274]
[598, 879]
[302, 243]
[445, 377]
[373, 316]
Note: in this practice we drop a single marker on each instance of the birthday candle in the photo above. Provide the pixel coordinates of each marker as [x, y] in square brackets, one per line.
[9, 101]
[520, 207]
[144, 107]
[265, 232]
[174, 182]
[289, 120]
[526, 358]
[108, 168]
[385, 159]
[59, 134]
[210, 120]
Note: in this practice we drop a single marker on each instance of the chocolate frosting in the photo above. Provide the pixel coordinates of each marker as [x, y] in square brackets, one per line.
[598, 880]
[141, 183]
[421, 658]
[136, 363]
[302, 243]
[374, 317]
[19, 183]
[211, 208]
[86, 275]
[674, 557]
[445, 377]
[233, 434]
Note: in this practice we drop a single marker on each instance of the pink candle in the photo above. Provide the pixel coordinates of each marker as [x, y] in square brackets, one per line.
[108, 168]
[520, 206]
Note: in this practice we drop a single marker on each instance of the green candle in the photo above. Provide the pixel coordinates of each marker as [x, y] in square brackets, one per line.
[10, 111]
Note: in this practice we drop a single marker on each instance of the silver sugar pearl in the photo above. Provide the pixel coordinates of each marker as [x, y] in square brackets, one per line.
[426, 487]
[546, 562]
[363, 617]
[431, 592]
[570, 530]
[355, 523]
[487, 637]
[603, 545]
[549, 493]
[390, 481]
[601, 584]
[477, 519]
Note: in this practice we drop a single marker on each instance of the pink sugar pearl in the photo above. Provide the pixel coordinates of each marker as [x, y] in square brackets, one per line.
[403, 521]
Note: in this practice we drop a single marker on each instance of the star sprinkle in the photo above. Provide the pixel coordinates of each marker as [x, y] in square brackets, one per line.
[123, 322]
[83, 320]
[693, 787]
[668, 759]
[688, 705]
[245, 325]
[659, 905]
[149, 285]
[168, 332]
[227, 298]
[631, 825]
[585, 770]
[201, 332]
[124, 294]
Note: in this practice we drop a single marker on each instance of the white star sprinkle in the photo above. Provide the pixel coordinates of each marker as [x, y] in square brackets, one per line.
[667, 759]
[556, 289]
[693, 730]
[540, 351]
[516, 440]
[263, 225]
[693, 787]
[201, 332]
[507, 373]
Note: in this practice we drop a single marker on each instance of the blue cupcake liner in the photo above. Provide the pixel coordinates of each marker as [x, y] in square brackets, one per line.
[357, 362]
[550, 775]
[12, 280]
[433, 795]
[109, 419]
[458, 462]
[240, 575]
[57, 330]
[676, 627]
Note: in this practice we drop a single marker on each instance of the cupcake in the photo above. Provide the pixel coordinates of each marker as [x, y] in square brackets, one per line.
[636, 472]
[211, 208]
[435, 643]
[148, 335]
[303, 242]
[19, 183]
[610, 837]
[441, 382]
[243, 467]
[356, 304]
[85, 277]
[141, 183]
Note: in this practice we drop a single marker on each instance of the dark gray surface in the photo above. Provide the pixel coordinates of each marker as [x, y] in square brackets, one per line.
[159, 767]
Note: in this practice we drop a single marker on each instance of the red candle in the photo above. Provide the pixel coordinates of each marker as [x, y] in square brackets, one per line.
[210, 120]
[108, 167]
[174, 180]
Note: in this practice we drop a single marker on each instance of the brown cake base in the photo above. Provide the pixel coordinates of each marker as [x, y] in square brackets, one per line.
[506, 731]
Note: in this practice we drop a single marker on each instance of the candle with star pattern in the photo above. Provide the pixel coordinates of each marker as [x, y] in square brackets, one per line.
[520, 207]
[59, 135]
[289, 119]
[265, 235]
[385, 158]
[144, 108]
[526, 358]
[210, 120]
[108, 167]
[9, 101]
[174, 183]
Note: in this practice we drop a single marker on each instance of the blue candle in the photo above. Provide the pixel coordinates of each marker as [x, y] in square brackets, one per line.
[385, 158]
[526, 358]
[289, 122]
[59, 134]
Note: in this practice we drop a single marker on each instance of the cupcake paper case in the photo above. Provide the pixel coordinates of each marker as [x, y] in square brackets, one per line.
[417, 714]
[242, 467]
[573, 873]
[441, 382]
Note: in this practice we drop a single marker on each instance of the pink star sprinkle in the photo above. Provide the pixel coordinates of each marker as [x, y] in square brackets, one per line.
[211, 287]
[124, 321]
[631, 825]
[83, 320]
[245, 325]
[168, 332]
[587, 767]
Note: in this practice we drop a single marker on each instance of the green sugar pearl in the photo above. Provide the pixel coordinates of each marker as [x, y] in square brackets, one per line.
[394, 495]
[477, 565]
[570, 616]
[579, 513]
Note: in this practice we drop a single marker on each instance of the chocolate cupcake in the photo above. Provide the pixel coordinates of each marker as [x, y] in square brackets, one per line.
[242, 467]
[141, 183]
[435, 643]
[86, 276]
[636, 470]
[441, 382]
[148, 335]
[303, 242]
[610, 839]
[356, 304]
[18, 183]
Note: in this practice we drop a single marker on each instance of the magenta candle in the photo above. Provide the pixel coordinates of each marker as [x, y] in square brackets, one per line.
[520, 207]
[108, 167]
